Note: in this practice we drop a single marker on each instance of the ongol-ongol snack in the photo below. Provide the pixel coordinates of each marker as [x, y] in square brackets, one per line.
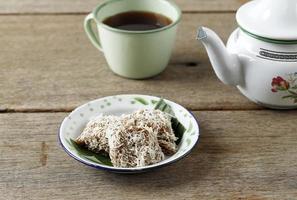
[94, 135]
[138, 139]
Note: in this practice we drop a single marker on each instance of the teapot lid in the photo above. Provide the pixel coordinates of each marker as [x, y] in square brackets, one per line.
[271, 19]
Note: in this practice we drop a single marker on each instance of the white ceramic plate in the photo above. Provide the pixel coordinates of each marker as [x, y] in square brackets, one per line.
[75, 122]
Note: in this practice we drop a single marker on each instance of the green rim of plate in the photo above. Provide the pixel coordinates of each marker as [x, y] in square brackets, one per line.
[264, 39]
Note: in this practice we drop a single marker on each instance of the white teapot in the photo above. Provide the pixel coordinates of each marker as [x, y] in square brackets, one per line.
[261, 55]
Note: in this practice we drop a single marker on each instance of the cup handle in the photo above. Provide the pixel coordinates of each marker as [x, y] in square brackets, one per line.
[90, 33]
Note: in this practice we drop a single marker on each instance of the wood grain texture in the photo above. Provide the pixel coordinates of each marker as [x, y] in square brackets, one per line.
[241, 155]
[77, 6]
[47, 63]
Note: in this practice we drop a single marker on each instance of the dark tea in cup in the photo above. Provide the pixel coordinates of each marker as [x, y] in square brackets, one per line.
[137, 21]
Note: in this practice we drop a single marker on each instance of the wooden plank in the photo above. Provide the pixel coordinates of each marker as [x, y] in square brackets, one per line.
[49, 64]
[77, 6]
[241, 155]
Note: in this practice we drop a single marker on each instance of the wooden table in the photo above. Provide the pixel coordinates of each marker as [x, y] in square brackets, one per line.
[48, 67]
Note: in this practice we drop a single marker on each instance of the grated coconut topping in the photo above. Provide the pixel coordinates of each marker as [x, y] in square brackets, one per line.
[133, 140]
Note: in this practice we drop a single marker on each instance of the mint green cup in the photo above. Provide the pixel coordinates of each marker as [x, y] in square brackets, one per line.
[134, 54]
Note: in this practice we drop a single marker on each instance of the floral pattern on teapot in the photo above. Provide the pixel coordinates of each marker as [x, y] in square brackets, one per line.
[287, 86]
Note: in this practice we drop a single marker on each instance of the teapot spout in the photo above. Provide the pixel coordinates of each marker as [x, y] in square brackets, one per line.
[226, 65]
